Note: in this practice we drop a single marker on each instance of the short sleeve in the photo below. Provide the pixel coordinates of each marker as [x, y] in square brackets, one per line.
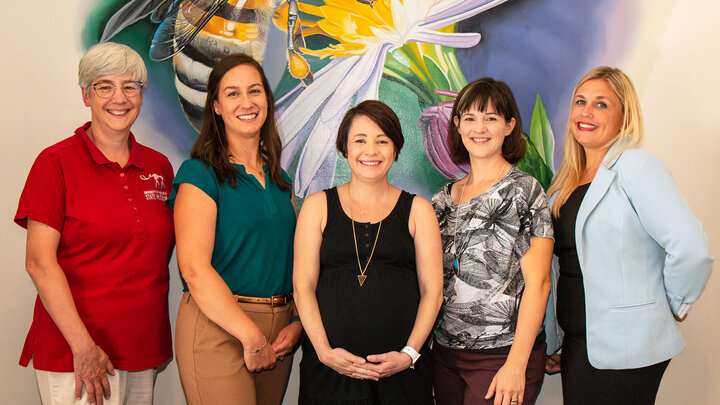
[288, 179]
[43, 197]
[285, 176]
[195, 172]
[167, 168]
[541, 219]
[534, 214]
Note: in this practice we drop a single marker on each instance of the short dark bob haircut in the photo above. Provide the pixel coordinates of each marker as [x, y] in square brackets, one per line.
[382, 115]
[479, 94]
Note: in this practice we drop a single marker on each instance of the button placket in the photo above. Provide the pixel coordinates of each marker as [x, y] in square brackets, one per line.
[365, 240]
[130, 199]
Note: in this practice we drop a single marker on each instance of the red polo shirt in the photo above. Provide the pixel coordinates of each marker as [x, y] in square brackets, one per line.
[116, 242]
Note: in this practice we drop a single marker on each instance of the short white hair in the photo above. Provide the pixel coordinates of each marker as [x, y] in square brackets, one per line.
[110, 58]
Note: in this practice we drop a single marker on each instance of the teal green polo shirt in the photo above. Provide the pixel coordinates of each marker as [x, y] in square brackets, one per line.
[254, 231]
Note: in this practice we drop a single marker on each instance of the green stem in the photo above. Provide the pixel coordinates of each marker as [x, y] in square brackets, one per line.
[400, 73]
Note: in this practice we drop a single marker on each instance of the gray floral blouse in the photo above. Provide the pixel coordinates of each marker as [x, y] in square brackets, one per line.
[487, 235]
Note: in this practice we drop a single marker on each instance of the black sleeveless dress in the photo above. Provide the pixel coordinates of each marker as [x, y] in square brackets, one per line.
[374, 318]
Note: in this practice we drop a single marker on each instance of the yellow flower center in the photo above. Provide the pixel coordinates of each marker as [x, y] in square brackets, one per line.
[355, 25]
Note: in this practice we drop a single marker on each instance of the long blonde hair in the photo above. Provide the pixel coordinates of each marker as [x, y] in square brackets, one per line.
[630, 135]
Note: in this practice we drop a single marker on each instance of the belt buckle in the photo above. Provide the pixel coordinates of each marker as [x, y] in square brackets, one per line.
[278, 300]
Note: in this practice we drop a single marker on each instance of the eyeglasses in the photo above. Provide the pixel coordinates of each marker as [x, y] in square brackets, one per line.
[107, 89]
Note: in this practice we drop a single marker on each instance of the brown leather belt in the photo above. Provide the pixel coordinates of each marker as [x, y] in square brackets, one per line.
[275, 300]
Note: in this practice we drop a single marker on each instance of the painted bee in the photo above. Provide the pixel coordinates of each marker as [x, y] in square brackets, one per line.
[197, 33]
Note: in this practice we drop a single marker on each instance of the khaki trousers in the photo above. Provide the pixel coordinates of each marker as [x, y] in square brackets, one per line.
[212, 363]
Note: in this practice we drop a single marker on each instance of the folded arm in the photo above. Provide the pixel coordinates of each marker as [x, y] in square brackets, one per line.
[668, 219]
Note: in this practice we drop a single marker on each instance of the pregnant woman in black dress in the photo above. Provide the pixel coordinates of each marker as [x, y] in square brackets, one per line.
[368, 276]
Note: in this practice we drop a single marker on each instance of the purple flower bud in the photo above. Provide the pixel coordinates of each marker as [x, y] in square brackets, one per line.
[433, 124]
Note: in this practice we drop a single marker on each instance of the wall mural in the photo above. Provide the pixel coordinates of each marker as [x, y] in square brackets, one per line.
[323, 57]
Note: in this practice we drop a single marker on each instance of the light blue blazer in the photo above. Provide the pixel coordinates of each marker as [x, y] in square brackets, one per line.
[643, 255]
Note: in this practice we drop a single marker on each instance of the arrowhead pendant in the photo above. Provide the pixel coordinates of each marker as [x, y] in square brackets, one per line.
[361, 279]
[456, 267]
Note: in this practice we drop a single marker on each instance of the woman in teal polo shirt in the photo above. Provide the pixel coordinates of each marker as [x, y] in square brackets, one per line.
[234, 225]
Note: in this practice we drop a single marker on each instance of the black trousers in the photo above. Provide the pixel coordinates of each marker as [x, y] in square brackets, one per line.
[583, 384]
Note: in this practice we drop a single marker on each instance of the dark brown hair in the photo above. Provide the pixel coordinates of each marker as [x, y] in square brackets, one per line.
[211, 146]
[479, 94]
[382, 115]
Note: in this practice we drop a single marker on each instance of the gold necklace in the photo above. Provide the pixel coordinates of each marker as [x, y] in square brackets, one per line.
[456, 263]
[362, 276]
[249, 169]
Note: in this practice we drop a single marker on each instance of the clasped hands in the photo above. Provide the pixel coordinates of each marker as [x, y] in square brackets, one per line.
[374, 367]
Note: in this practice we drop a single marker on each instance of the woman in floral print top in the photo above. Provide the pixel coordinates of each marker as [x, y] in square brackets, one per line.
[497, 242]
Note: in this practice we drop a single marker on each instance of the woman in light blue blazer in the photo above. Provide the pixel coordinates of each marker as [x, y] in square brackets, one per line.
[630, 256]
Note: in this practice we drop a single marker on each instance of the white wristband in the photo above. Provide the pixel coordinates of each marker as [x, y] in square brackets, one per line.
[414, 355]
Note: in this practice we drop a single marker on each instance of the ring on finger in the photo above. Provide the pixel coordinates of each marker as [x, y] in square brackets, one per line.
[514, 401]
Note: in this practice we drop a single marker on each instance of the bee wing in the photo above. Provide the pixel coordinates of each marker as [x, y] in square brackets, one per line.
[131, 12]
[167, 8]
[178, 29]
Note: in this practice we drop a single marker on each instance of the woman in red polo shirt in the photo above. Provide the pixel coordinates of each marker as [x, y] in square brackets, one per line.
[99, 238]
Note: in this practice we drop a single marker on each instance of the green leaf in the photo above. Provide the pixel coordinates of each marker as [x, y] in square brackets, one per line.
[541, 133]
[534, 165]
[436, 74]
[447, 58]
[398, 62]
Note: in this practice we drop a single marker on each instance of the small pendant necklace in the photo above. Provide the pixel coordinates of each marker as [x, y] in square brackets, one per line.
[260, 171]
[362, 276]
[456, 263]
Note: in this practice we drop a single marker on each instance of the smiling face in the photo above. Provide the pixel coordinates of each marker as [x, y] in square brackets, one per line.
[242, 101]
[114, 115]
[369, 151]
[483, 132]
[596, 115]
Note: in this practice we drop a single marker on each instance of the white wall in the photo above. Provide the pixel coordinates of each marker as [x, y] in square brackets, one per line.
[674, 67]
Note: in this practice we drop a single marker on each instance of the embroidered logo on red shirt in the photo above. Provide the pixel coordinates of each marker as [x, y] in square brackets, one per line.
[159, 193]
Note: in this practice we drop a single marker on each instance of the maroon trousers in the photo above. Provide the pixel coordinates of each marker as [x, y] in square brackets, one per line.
[464, 377]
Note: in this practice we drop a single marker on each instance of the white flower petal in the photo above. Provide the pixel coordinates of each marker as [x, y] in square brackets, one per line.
[296, 115]
[370, 89]
[306, 106]
[310, 119]
[319, 148]
[455, 40]
[449, 12]
[400, 15]
[283, 102]
[320, 142]
[356, 78]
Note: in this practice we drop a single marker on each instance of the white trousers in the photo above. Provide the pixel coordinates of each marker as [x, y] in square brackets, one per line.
[126, 388]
